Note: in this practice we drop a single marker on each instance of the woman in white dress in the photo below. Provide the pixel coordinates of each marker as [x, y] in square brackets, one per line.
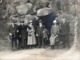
[31, 35]
[54, 33]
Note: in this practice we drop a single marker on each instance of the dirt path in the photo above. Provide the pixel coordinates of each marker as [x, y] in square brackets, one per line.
[69, 55]
[34, 54]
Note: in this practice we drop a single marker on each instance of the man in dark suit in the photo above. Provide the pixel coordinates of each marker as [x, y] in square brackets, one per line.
[39, 33]
[12, 35]
[64, 33]
[18, 35]
[23, 34]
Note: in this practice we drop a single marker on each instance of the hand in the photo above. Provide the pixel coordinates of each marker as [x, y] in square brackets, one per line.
[17, 31]
[43, 31]
[19, 35]
[47, 38]
[10, 34]
[37, 35]
[56, 35]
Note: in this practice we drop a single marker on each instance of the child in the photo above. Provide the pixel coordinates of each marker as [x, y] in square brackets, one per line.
[45, 37]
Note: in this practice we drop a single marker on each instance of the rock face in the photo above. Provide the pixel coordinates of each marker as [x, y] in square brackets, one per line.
[22, 9]
[2, 9]
[2, 18]
[20, 1]
[44, 1]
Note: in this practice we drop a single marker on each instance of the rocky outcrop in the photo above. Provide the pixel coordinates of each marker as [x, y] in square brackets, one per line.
[22, 9]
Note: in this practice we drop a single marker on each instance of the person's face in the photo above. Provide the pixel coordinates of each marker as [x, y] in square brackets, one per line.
[40, 24]
[63, 20]
[24, 23]
[21, 23]
[55, 23]
[18, 23]
[13, 24]
[31, 23]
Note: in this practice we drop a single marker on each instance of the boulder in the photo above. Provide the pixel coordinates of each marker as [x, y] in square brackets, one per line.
[29, 5]
[19, 1]
[22, 9]
[29, 17]
[44, 1]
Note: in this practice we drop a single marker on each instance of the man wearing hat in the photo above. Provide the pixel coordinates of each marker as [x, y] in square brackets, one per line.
[39, 33]
[64, 33]
[18, 35]
[54, 33]
[23, 34]
[12, 35]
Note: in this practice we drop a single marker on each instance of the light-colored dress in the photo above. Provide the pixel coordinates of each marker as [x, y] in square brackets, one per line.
[31, 36]
[54, 34]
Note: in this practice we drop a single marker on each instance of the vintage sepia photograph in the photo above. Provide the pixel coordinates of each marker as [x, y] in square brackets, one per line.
[39, 29]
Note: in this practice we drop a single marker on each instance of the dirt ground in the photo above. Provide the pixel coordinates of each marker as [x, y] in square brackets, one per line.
[32, 54]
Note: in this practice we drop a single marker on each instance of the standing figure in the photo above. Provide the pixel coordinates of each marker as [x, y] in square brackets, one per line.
[12, 36]
[45, 37]
[17, 31]
[23, 35]
[64, 33]
[54, 34]
[18, 36]
[39, 33]
[31, 35]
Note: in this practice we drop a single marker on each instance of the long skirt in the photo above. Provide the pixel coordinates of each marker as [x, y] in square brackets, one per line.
[31, 40]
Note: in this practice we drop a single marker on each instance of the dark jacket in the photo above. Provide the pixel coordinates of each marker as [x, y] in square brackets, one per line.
[65, 28]
[45, 33]
[24, 34]
[39, 31]
[54, 30]
[13, 30]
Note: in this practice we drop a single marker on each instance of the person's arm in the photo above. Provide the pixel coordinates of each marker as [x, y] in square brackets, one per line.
[69, 28]
[10, 33]
[28, 27]
[37, 31]
[58, 29]
[51, 30]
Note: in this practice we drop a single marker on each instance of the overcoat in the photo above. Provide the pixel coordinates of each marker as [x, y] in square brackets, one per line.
[13, 30]
[39, 34]
[31, 36]
[54, 34]
[13, 36]
[64, 30]
[64, 34]
[23, 34]
[39, 31]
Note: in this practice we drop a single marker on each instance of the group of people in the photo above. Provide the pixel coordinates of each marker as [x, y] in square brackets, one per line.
[39, 32]
[60, 33]
[25, 35]
[28, 35]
